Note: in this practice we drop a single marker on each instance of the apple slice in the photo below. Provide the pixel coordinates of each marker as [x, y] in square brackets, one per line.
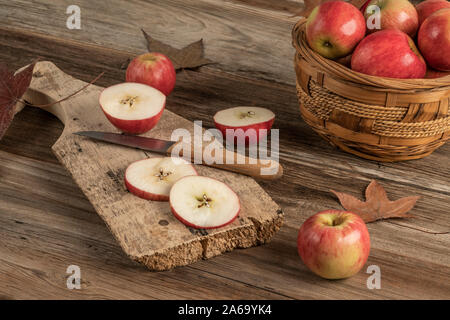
[203, 203]
[132, 107]
[254, 122]
[152, 179]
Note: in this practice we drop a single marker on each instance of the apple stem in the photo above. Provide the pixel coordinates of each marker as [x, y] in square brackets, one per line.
[336, 221]
[204, 201]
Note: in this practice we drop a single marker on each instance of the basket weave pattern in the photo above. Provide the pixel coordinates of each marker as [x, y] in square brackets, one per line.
[376, 118]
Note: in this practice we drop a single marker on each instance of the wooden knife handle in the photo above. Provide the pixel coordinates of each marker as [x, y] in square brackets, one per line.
[231, 161]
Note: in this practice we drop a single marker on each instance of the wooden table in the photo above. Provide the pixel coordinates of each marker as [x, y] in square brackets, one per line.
[46, 224]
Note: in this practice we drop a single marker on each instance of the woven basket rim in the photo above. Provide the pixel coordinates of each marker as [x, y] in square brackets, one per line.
[343, 73]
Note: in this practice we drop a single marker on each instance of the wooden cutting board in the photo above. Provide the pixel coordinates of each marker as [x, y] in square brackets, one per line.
[146, 230]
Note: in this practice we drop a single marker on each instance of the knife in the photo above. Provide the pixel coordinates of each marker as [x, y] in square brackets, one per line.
[260, 169]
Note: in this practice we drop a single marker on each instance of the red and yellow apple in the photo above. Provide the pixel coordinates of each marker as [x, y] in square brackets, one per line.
[434, 40]
[395, 14]
[427, 8]
[153, 69]
[389, 53]
[334, 244]
[334, 29]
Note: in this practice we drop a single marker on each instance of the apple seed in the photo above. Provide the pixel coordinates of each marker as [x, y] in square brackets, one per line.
[130, 101]
[162, 175]
[205, 201]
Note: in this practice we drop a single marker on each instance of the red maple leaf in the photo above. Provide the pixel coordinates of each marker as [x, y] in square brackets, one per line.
[12, 88]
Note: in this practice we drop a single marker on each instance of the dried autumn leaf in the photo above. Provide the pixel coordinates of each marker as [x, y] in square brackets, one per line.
[190, 57]
[377, 205]
[12, 88]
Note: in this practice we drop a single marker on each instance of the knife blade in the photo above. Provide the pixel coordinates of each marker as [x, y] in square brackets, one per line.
[261, 169]
[143, 143]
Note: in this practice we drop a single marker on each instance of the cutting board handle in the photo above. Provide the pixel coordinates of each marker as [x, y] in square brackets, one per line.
[49, 85]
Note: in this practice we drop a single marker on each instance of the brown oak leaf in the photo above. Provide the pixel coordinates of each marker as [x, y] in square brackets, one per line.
[377, 205]
[190, 57]
[12, 88]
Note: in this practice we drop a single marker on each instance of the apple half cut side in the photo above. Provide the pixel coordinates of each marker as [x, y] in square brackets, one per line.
[251, 123]
[152, 179]
[203, 203]
[132, 107]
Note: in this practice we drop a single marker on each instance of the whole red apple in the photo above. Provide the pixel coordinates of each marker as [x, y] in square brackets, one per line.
[334, 244]
[427, 8]
[394, 14]
[389, 53]
[153, 69]
[434, 40]
[334, 29]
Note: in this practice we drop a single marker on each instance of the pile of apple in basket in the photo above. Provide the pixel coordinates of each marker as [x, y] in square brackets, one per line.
[379, 37]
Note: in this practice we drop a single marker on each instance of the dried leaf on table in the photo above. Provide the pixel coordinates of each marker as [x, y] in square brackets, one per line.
[377, 205]
[12, 88]
[190, 57]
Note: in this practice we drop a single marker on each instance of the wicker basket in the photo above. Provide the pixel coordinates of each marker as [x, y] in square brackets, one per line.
[375, 118]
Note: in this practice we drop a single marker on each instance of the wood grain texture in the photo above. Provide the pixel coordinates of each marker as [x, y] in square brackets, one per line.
[239, 37]
[41, 203]
[146, 230]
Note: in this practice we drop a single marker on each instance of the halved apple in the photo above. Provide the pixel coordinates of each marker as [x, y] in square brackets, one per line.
[203, 203]
[251, 123]
[132, 107]
[152, 179]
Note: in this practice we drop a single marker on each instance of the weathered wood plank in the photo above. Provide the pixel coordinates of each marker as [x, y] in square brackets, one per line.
[46, 224]
[241, 38]
[77, 236]
[402, 274]
[289, 6]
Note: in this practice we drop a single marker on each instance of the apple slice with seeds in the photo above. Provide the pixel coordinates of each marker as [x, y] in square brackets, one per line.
[152, 179]
[245, 118]
[203, 203]
[132, 107]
